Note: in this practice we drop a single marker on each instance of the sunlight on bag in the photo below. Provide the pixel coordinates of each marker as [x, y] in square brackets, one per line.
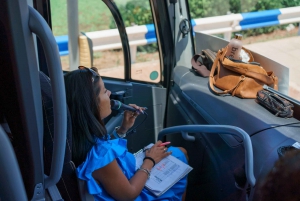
[241, 79]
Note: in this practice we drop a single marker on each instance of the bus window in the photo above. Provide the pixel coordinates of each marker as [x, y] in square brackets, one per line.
[96, 23]
[59, 23]
[137, 16]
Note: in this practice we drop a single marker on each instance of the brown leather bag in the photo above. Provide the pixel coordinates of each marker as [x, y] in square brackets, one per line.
[239, 78]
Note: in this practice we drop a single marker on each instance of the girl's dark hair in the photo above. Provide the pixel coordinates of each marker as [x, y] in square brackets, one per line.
[82, 93]
[282, 182]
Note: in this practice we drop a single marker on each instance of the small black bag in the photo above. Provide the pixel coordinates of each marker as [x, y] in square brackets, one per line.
[203, 62]
[277, 105]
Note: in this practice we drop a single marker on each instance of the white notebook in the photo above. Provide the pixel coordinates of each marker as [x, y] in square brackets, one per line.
[164, 174]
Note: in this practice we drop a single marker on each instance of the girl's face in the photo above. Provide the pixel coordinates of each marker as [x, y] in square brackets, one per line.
[104, 100]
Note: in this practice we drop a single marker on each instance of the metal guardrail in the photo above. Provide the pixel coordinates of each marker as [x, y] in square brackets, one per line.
[226, 24]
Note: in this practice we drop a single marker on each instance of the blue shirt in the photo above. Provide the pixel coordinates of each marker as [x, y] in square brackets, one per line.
[104, 152]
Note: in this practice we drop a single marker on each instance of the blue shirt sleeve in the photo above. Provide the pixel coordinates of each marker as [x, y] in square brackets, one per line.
[101, 154]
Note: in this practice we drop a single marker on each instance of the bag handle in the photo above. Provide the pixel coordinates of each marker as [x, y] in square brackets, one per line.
[268, 79]
[275, 84]
[216, 66]
[199, 68]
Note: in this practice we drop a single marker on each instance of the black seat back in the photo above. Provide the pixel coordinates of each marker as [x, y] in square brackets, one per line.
[67, 184]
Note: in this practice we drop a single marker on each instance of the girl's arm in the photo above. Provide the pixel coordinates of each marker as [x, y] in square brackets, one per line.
[118, 186]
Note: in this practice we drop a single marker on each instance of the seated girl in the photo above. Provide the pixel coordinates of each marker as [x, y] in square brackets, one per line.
[105, 164]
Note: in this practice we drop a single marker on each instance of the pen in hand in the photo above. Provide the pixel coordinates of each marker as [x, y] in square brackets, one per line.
[164, 144]
[138, 111]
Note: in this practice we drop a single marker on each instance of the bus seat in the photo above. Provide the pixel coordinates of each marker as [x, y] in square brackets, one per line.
[84, 194]
[67, 185]
[68, 179]
[11, 182]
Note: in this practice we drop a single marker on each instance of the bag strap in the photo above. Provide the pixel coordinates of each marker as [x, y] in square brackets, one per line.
[268, 79]
[210, 54]
[275, 84]
[216, 66]
[199, 68]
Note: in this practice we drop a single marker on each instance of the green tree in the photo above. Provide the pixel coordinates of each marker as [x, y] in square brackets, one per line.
[235, 6]
[135, 13]
[290, 3]
[267, 5]
[207, 8]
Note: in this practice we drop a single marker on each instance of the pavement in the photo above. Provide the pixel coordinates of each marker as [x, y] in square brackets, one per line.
[286, 52]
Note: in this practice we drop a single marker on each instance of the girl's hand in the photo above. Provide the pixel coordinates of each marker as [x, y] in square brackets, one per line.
[157, 152]
[129, 118]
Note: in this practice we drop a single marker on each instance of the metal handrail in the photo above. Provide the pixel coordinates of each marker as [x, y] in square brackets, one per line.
[218, 129]
[38, 25]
